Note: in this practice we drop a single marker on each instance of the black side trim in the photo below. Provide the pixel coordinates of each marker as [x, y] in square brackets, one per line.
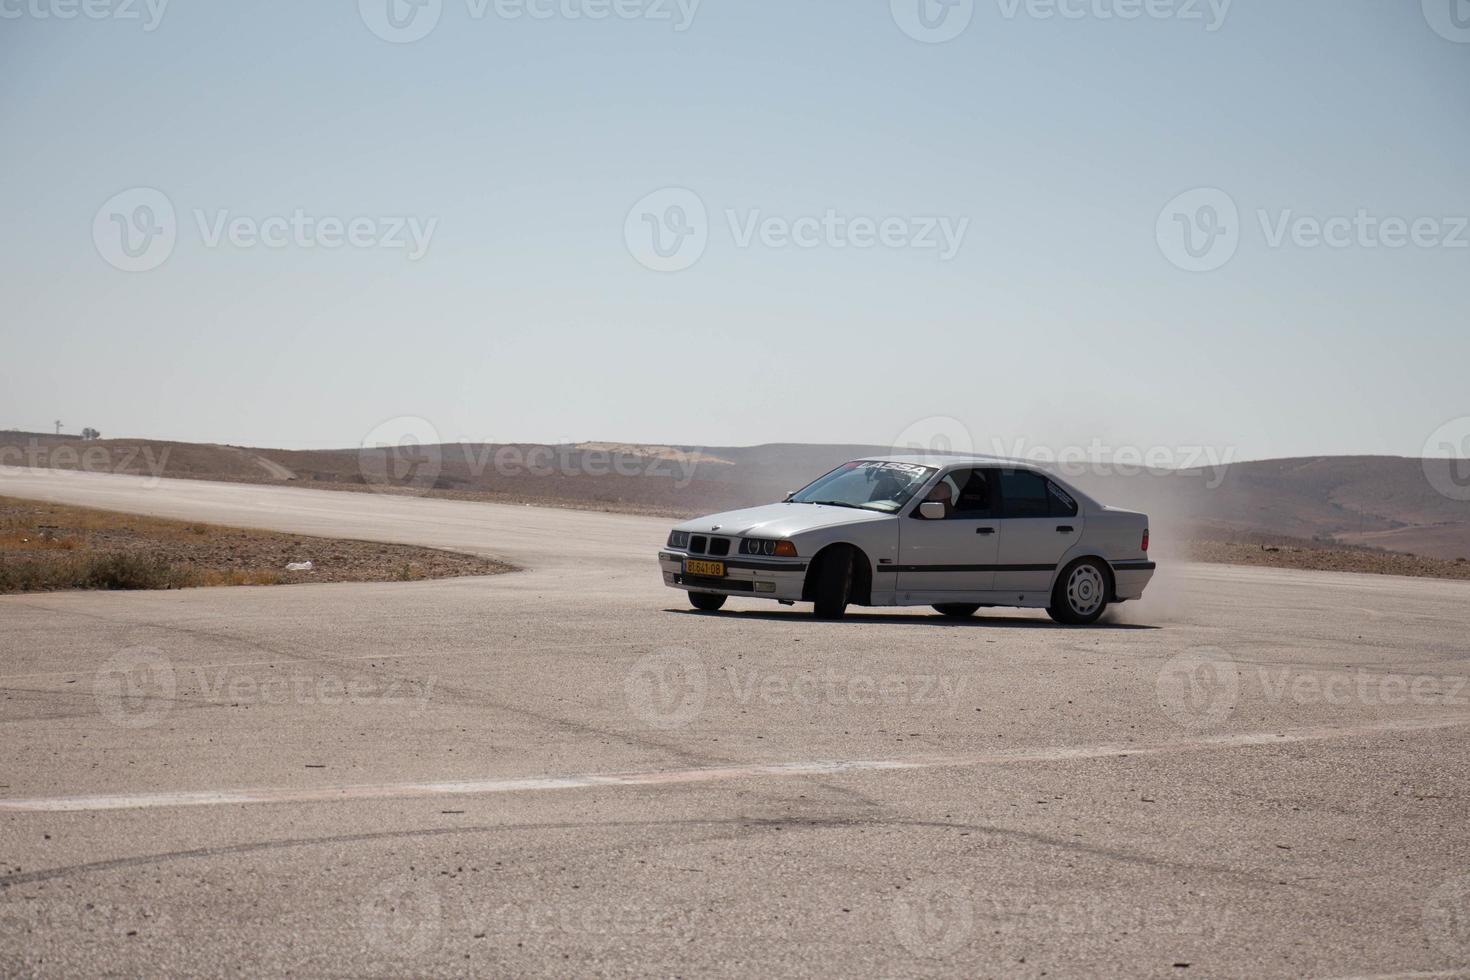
[967, 568]
[1134, 566]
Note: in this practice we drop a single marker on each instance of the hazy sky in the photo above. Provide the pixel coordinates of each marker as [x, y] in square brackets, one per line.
[991, 225]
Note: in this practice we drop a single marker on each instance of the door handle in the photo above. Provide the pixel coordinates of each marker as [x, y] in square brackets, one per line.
[1064, 529]
[984, 530]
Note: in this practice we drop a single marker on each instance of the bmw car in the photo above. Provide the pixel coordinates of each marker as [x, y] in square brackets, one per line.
[954, 533]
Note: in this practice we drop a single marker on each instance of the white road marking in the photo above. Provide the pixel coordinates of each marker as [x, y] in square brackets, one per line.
[458, 788]
[542, 784]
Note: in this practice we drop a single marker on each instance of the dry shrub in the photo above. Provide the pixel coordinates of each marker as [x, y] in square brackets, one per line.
[48, 572]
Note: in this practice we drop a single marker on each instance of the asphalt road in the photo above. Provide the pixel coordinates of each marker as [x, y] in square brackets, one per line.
[566, 772]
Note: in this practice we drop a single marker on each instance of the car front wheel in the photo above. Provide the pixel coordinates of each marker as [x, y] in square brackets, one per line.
[708, 601]
[1081, 593]
[833, 586]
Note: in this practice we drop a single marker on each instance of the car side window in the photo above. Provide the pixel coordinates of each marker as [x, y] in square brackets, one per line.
[966, 495]
[974, 499]
[1062, 503]
[1024, 494]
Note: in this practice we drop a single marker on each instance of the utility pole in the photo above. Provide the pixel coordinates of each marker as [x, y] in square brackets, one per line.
[58, 426]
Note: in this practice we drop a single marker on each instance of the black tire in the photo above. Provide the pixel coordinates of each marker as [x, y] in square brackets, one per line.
[957, 610]
[708, 601]
[1072, 600]
[833, 586]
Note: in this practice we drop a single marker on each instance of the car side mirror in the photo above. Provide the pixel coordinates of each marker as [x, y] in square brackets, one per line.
[932, 510]
[789, 495]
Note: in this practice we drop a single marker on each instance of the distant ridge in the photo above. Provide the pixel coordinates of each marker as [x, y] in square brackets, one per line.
[1384, 502]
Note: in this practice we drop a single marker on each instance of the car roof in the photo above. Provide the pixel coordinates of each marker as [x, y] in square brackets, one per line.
[949, 459]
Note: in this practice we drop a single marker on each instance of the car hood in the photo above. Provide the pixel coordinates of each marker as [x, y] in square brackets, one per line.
[779, 520]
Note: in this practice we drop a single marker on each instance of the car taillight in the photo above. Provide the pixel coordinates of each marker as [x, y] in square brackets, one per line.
[1145, 541]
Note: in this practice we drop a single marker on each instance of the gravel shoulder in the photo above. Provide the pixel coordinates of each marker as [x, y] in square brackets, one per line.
[1306, 557]
[47, 547]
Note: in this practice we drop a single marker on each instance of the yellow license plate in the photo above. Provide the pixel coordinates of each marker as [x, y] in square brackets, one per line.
[709, 569]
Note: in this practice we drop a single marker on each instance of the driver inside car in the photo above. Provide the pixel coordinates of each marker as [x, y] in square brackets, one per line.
[942, 492]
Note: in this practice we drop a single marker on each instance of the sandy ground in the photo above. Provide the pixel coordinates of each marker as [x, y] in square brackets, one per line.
[1303, 556]
[565, 771]
[58, 538]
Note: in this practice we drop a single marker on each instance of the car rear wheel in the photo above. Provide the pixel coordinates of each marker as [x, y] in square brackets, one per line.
[957, 610]
[708, 601]
[833, 586]
[1081, 593]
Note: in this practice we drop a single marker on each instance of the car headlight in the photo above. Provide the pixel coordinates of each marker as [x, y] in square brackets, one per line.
[678, 539]
[767, 546]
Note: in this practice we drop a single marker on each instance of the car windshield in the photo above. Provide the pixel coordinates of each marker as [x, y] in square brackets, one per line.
[867, 484]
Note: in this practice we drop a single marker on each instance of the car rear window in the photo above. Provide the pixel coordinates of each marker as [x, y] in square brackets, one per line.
[1024, 494]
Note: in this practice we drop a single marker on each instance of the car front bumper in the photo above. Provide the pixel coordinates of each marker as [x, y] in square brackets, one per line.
[759, 578]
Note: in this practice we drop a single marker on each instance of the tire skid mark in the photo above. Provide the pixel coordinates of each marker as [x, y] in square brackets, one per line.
[718, 830]
[677, 777]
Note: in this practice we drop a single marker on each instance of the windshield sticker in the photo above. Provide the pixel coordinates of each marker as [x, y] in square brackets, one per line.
[911, 468]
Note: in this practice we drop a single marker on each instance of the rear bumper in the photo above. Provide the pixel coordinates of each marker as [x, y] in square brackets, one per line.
[1130, 578]
[759, 578]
